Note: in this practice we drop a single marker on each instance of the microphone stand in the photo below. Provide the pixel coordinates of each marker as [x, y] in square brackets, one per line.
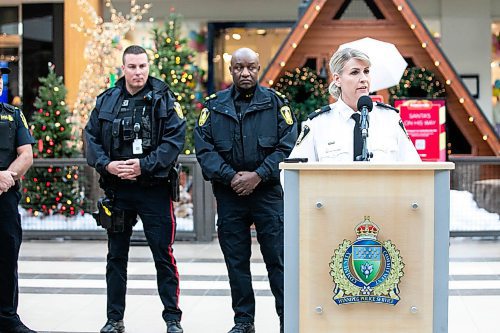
[365, 123]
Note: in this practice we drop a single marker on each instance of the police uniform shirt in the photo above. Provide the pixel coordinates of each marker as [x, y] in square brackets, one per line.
[328, 137]
[22, 135]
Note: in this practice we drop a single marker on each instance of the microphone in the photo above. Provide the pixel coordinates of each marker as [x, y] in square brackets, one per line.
[365, 105]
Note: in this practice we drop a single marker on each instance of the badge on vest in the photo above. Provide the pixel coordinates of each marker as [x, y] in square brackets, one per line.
[287, 114]
[137, 147]
[125, 102]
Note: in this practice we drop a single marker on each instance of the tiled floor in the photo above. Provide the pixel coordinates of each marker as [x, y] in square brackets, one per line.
[63, 289]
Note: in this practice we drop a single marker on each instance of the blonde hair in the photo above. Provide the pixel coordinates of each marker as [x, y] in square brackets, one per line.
[337, 64]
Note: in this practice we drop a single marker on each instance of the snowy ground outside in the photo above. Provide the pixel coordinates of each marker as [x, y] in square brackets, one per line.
[464, 216]
[85, 222]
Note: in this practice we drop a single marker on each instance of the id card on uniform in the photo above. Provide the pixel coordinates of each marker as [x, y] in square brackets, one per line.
[137, 147]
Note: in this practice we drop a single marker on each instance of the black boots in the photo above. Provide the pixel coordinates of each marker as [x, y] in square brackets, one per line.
[174, 326]
[243, 328]
[113, 326]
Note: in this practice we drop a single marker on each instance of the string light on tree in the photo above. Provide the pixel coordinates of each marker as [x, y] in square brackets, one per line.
[305, 91]
[173, 61]
[417, 82]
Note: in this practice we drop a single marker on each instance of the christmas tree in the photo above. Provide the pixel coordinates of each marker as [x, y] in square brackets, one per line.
[305, 91]
[173, 62]
[52, 190]
[417, 82]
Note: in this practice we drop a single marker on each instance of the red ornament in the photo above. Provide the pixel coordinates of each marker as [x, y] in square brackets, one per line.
[47, 114]
[40, 145]
[40, 110]
[58, 112]
[44, 127]
[61, 129]
[49, 103]
[47, 184]
[58, 199]
[49, 170]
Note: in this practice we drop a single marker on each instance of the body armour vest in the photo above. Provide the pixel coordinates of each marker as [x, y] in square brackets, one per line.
[7, 136]
[132, 127]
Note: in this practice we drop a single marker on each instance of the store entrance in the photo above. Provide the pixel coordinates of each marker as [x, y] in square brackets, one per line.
[225, 38]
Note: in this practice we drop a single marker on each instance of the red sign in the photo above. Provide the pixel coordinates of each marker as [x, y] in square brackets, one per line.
[425, 121]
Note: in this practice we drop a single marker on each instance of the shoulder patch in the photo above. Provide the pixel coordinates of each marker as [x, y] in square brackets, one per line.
[387, 106]
[178, 110]
[205, 113]
[287, 114]
[23, 119]
[317, 112]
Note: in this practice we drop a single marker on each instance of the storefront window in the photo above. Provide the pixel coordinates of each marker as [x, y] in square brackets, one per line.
[264, 38]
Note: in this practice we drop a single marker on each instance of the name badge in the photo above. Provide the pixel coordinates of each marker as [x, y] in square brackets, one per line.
[137, 147]
[125, 102]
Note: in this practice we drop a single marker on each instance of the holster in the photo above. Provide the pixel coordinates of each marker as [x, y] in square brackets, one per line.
[109, 217]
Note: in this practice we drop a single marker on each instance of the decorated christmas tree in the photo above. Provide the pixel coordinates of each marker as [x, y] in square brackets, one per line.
[417, 82]
[305, 91]
[52, 190]
[173, 62]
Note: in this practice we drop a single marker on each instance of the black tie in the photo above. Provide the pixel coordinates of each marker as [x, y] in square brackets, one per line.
[358, 141]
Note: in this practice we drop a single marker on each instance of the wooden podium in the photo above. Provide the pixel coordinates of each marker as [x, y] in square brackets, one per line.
[324, 203]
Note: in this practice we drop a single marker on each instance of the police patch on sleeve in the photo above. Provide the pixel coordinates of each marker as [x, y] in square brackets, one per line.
[178, 110]
[203, 117]
[23, 119]
[287, 114]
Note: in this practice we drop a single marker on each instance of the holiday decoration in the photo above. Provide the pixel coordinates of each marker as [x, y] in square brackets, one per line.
[101, 52]
[52, 190]
[173, 62]
[305, 91]
[417, 82]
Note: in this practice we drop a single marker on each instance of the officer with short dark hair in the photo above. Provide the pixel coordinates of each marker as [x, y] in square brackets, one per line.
[16, 156]
[134, 136]
[243, 133]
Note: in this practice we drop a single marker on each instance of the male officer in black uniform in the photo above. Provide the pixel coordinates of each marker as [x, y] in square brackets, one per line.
[243, 133]
[134, 136]
[16, 156]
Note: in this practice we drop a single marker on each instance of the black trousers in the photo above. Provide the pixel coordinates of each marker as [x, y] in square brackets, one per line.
[155, 208]
[10, 243]
[264, 209]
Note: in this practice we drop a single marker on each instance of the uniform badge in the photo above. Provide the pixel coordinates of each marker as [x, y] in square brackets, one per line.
[203, 117]
[178, 110]
[303, 134]
[125, 102]
[366, 270]
[287, 114]
[23, 119]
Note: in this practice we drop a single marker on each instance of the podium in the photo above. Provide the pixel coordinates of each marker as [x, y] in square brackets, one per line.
[366, 247]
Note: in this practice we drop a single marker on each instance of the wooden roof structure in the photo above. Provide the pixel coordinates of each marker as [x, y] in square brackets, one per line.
[320, 31]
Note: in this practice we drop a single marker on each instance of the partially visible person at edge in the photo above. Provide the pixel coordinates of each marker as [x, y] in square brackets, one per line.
[242, 134]
[16, 156]
[134, 136]
[328, 134]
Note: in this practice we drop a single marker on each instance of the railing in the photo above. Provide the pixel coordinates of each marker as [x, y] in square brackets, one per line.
[195, 211]
[475, 196]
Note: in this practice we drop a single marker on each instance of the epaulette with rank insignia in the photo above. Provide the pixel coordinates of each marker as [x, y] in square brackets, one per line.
[387, 106]
[280, 95]
[9, 108]
[210, 97]
[317, 112]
